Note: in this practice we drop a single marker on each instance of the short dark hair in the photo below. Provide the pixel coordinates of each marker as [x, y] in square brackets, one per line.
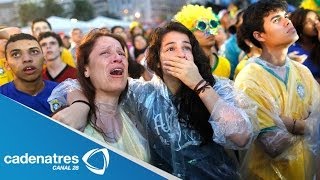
[254, 14]
[18, 37]
[115, 27]
[40, 20]
[50, 34]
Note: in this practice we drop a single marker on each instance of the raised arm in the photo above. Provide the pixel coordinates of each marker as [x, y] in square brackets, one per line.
[232, 124]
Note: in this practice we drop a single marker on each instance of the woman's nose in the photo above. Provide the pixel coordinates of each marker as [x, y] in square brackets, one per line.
[117, 58]
[181, 53]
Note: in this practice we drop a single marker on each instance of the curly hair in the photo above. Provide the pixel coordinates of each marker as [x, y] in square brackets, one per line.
[192, 111]
[83, 52]
[254, 14]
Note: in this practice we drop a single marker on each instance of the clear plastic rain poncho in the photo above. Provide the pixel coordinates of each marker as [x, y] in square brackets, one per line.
[286, 91]
[175, 147]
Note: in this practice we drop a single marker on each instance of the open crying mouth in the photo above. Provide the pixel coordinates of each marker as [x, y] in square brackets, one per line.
[116, 71]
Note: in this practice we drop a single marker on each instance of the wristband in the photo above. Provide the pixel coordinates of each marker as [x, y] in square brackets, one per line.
[81, 101]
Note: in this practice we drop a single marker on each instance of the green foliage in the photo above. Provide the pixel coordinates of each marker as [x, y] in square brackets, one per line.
[83, 10]
[29, 10]
[51, 8]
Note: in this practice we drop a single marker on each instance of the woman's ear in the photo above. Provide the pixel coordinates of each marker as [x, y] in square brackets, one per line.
[86, 72]
[248, 43]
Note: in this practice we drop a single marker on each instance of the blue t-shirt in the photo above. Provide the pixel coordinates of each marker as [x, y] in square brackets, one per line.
[315, 69]
[38, 102]
[232, 53]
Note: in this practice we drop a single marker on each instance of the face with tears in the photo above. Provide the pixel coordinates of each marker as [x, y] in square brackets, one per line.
[107, 66]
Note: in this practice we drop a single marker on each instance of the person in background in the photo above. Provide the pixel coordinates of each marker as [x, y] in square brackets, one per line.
[248, 48]
[40, 25]
[76, 37]
[286, 92]
[204, 25]
[307, 25]
[140, 45]
[6, 74]
[232, 50]
[136, 28]
[65, 41]
[55, 70]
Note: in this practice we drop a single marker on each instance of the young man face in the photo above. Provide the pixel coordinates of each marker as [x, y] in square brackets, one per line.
[76, 36]
[278, 30]
[40, 27]
[50, 47]
[25, 59]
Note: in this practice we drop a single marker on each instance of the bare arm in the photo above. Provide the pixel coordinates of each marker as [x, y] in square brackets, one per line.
[5, 33]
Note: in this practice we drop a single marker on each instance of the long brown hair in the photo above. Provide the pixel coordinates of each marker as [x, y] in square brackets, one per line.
[298, 18]
[83, 52]
[192, 111]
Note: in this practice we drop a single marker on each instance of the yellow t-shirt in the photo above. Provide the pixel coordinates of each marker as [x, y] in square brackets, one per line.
[222, 67]
[240, 66]
[5, 75]
[291, 97]
[66, 57]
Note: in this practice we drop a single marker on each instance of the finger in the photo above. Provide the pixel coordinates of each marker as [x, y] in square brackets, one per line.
[173, 69]
[170, 63]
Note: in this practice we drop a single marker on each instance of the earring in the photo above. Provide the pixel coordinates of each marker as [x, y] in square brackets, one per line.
[250, 45]
[86, 74]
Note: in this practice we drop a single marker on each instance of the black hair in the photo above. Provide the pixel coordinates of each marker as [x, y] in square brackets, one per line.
[18, 37]
[192, 111]
[254, 14]
[40, 20]
[298, 18]
[50, 34]
[115, 27]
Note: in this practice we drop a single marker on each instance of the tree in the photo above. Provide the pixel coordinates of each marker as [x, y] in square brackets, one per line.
[51, 8]
[28, 12]
[83, 10]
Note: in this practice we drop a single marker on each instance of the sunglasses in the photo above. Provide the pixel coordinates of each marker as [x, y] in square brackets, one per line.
[207, 26]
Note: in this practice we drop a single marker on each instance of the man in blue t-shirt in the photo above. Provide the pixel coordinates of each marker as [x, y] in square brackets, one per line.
[25, 58]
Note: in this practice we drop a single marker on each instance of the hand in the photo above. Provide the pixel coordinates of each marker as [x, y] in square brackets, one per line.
[74, 115]
[299, 58]
[183, 69]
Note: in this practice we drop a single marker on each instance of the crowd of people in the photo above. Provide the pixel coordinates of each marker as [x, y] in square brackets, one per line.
[227, 94]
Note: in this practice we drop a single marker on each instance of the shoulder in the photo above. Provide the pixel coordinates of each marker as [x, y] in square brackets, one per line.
[50, 84]
[300, 67]
[6, 87]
